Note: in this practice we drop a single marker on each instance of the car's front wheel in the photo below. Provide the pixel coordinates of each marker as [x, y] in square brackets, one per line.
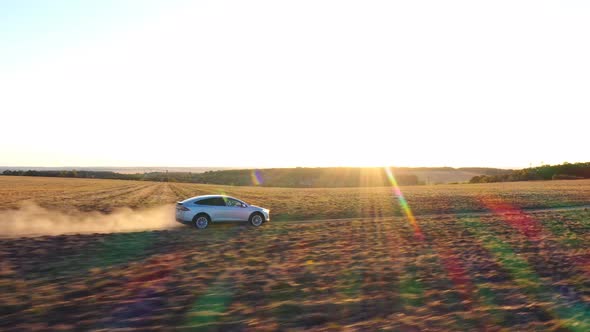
[201, 221]
[256, 219]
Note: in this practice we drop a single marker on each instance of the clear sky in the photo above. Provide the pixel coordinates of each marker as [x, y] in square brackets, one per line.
[294, 83]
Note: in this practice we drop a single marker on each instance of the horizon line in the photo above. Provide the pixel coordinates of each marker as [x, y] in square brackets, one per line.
[263, 167]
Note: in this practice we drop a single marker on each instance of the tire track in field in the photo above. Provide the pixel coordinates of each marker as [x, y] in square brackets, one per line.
[478, 278]
[444, 215]
[533, 287]
[122, 191]
[75, 199]
[178, 192]
[67, 194]
[109, 200]
[181, 192]
[144, 197]
[162, 194]
[558, 272]
[104, 200]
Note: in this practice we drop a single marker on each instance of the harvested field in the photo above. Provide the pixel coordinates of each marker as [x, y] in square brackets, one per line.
[289, 203]
[510, 271]
[505, 268]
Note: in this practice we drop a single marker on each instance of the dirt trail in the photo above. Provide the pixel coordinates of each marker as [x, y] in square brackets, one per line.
[458, 214]
[33, 220]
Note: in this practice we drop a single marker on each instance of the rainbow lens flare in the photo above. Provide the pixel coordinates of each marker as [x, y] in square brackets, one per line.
[256, 177]
[404, 204]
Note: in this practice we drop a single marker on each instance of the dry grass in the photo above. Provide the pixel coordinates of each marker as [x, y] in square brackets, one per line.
[291, 203]
[506, 270]
[466, 274]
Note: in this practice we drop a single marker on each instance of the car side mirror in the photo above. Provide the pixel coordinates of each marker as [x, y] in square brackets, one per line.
[244, 205]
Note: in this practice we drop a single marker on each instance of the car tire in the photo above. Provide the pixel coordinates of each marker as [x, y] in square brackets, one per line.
[201, 221]
[256, 219]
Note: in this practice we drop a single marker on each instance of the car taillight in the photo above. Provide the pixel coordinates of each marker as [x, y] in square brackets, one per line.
[179, 207]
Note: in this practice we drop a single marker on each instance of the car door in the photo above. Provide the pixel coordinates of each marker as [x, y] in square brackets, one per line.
[236, 210]
[221, 211]
[214, 207]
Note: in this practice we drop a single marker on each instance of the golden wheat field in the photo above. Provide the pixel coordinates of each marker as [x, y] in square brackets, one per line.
[429, 264]
[290, 203]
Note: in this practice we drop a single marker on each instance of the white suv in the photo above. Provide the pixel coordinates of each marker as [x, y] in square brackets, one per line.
[202, 210]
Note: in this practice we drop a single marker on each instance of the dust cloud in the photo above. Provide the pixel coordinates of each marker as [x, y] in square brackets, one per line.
[31, 220]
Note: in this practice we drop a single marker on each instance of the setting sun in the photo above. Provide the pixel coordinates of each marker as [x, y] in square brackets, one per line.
[264, 165]
[123, 84]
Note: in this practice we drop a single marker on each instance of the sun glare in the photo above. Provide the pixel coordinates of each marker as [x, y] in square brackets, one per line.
[404, 204]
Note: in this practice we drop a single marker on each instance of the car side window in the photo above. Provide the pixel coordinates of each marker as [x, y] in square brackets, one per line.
[233, 202]
[213, 201]
[218, 201]
[206, 201]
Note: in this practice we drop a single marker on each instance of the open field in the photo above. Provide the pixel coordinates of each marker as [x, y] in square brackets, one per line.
[290, 203]
[507, 268]
[516, 271]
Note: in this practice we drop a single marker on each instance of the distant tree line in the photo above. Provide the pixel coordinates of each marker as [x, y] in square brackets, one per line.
[324, 177]
[75, 174]
[565, 171]
[276, 177]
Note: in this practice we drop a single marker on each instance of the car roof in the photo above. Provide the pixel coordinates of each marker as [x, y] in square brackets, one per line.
[206, 196]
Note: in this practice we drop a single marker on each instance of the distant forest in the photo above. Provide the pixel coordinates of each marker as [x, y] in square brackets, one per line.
[565, 171]
[331, 177]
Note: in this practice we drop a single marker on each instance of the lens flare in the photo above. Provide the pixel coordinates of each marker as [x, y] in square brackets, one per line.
[571, 312]
[515, 217]
[525, 224]
[256, 177]
[404, 204]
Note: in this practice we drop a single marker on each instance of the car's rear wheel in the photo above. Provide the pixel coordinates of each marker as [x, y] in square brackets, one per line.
[201, 221]
[256, 219]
